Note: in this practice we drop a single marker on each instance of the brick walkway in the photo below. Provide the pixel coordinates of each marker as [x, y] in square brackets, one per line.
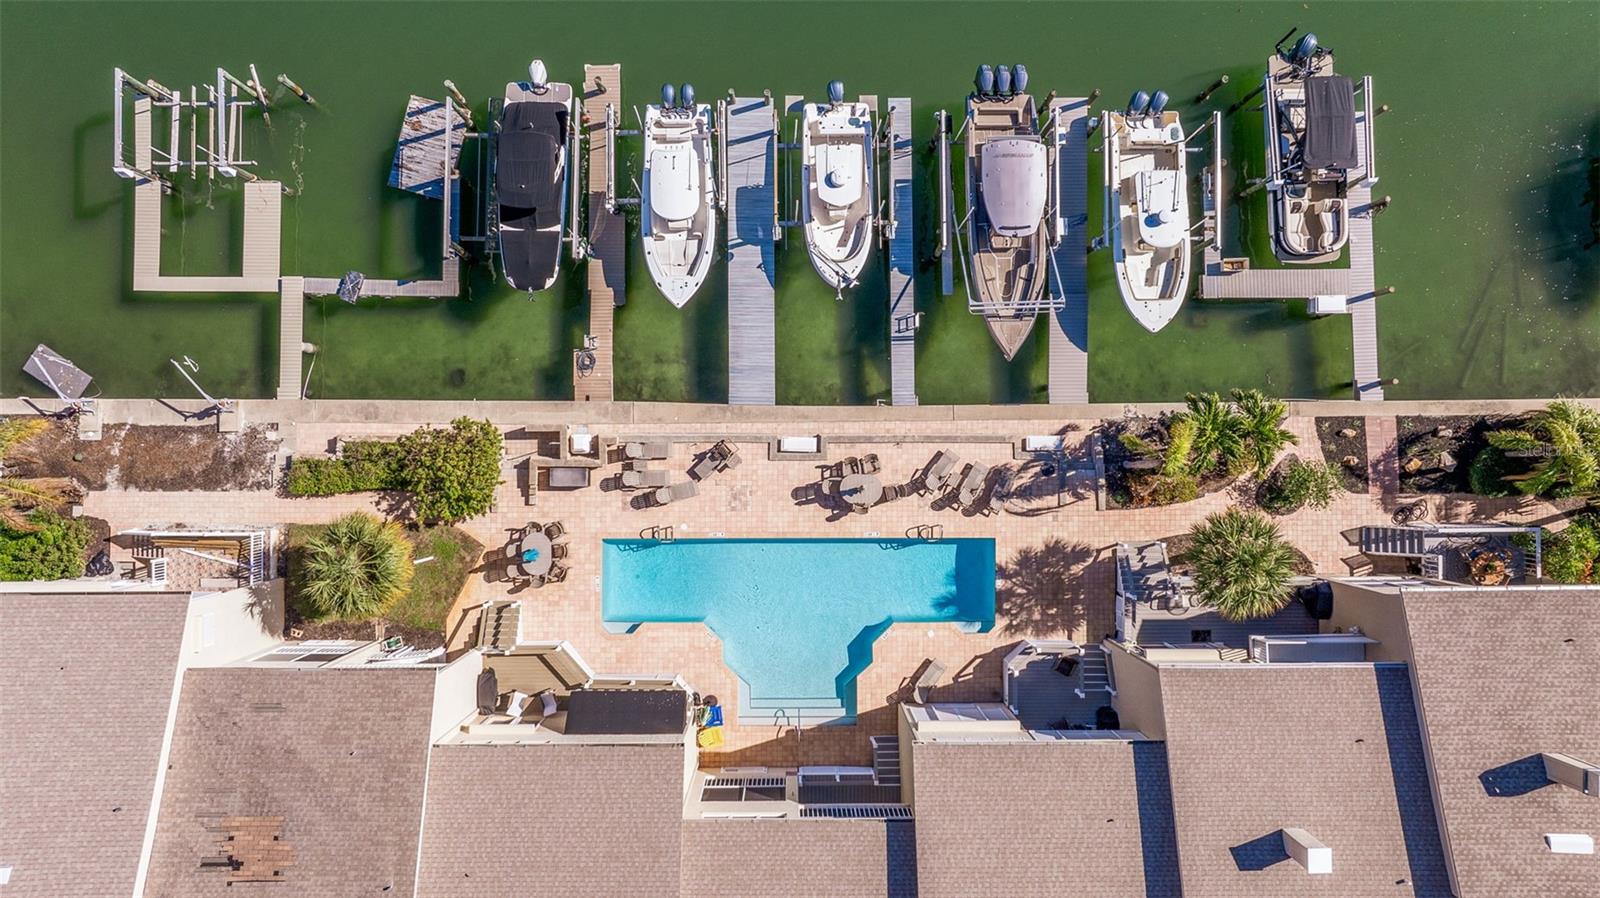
[1054, 569]
[1383, 457]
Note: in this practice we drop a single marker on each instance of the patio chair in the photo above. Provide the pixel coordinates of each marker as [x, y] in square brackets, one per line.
[516, 703]
[514, 572]
[558, 551]
[547, 703]
[640, 477]
[557, 573]
[647, 451]
[724, 450]
[869, 464]
[851, 465]
[670, 494]
[554, 529]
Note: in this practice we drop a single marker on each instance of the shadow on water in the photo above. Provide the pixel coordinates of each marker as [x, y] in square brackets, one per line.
[89, 140]
[1568, 209]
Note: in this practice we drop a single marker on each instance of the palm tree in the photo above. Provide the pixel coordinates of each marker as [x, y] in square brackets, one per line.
[356, 568]
[1262, 424]
[1242, 564]
[20, 497]
[1569, 435]
[1218, 433]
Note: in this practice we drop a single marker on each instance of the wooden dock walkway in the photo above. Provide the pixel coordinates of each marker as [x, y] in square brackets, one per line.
[750, 153]
[291, 335]
[903, 318]
[1069, 325]
[593, 375]
[1363, 281]
[419, 163]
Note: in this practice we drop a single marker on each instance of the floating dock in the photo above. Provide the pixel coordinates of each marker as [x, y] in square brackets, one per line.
[592, 365]
[1231, 279]
[903, 318]
[291, 335]
[1069, 325]
[750, 159]
[419, 166]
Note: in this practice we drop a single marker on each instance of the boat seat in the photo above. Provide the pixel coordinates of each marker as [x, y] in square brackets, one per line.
[839, 167]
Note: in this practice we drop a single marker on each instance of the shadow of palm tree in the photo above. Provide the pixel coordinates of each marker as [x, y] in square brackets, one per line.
[1048, 590]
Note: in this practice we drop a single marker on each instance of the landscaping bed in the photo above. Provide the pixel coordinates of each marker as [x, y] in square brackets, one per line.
[156, 457]
[1122, 488]
[1338, 448]
[1424, 443]
[419, 614]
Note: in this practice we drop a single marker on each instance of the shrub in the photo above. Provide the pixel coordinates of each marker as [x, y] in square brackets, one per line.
[355, 568]
[1180, 446]
[1568, 435]
[452, 473]
[1218, 433]
[1242, 564]
[1163, 489]
[1137, 445]
[1261, 423]
[52, 548]
[1301, 483]
[1573, 555]
[1233, 437]
[1486, 476]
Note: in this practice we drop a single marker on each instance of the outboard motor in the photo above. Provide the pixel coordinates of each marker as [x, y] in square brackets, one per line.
[1158, 102]
[537, 76]
[835, 92]
[686, 96]
[669, 96]
[984, 81]
[1138, 104]
[1019, 77]
[1304, 49]
[1002, 81]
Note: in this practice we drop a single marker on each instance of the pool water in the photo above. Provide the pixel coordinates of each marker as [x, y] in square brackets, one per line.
[797, 618]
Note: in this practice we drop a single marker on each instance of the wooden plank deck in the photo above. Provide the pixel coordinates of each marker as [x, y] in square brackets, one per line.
[902, 257]
[608, 240]
[1069, 325]
[291, 334]
[750, 148]
[418, 165]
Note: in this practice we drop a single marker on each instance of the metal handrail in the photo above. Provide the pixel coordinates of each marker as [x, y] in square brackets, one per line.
[1369, 144]
[944, 181]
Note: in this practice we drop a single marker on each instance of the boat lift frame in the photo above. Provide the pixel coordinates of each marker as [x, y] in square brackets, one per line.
[224, 104]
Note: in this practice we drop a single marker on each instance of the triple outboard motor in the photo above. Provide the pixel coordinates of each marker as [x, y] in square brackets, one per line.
[1304, 49]
[836, 92]
[686, 96]
[1158, 102]
[1002, 81]
[1019, 77]
[984, 81]
[1138, 104]
[669, 96]
[537, 76]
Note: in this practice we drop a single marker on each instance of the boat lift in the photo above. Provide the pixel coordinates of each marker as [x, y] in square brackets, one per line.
[221, 151]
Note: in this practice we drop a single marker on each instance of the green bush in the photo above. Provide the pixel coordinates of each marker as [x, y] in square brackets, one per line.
[52, 551]
[1568, 435]
[1486, 476]
[1302, 483]
[1162, 489]
[1180, 445]
[1234, 437]
[1242, 564]
[1573, 555]
[1137, 445]
[354, 569]
[451, 473]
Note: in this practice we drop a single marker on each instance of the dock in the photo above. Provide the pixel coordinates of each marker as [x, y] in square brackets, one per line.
[750, 158]
[1230, 279]
[1069, 324]
[903, 317]
[419, 163]
[592, 365]
[291, 335]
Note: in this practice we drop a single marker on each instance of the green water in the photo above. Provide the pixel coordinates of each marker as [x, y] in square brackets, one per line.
[1491, 153]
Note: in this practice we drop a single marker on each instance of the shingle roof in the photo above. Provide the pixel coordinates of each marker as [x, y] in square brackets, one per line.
[85, 690]
[1334, 750]
[517, 820]
[786, 858]
[1502, 676]
[339, 753]
[1018, 819]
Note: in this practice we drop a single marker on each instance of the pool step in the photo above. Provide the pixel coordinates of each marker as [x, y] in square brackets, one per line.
[770, 711]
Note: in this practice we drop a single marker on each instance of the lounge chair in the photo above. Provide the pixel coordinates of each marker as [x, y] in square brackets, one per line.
[707, 465]
[940, 468]
[972, 484]
[670, 494]
[639, 477]
[732, 461]
[724, 450]
[647, 451]
[553, 530]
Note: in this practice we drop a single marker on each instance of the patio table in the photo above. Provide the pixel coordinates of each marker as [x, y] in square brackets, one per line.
[536, 542]
[860, 489]
[568, 477]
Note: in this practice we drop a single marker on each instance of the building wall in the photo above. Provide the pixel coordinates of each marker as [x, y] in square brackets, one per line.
[455, 694]
[1379, 614]
[1138, 698]
[908, 757]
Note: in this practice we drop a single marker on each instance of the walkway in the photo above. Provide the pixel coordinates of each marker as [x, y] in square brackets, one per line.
[750, 157]
[592, 374]
[903, 319]
[1069, 325]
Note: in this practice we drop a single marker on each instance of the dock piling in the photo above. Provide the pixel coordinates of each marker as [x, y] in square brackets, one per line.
[1206, 94]
[1245, 100]
[462, 106]
[296, 89]
[1382, 108]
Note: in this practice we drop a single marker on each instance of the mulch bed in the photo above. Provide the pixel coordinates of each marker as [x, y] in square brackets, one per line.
[415, 637]
[1463, 436]
[154, 457]
[1336, 448]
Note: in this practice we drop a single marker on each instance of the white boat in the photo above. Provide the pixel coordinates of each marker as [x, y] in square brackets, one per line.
[836, 149]
[679, 223]
[1147, 196]
[1311, 150]
[531, 172]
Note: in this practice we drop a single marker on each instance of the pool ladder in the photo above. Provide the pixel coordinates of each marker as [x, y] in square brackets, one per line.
[928, 532]
[659, 534]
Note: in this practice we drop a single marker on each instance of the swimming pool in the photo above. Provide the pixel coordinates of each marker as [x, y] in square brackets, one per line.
[798, 617]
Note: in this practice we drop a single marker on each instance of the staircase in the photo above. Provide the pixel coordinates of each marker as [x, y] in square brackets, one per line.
[500, 627]
[1094, 674]
[792, 711]
[886, 760]
[1406, 541]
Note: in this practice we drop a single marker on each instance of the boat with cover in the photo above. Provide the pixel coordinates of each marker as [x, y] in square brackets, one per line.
[1311, 150]
[678, 226]
[531, 172]
[1147, 197]
[836, 153]
[1008, 175]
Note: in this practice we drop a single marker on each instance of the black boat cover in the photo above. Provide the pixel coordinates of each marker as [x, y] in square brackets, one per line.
[1330, 123]
[532, 136]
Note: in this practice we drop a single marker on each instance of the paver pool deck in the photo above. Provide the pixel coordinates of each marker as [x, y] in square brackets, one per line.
[1054, 569]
